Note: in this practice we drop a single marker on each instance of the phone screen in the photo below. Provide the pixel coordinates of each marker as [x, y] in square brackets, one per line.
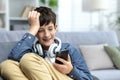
[63, 55]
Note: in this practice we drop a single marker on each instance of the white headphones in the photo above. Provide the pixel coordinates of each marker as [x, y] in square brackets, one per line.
[55, 47]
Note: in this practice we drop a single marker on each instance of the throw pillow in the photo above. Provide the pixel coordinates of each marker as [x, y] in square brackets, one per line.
[96, 57]
[118, 48]
[114, 54]
[5, 48]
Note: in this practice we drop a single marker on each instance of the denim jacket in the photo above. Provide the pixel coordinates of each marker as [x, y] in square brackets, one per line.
[80, 70]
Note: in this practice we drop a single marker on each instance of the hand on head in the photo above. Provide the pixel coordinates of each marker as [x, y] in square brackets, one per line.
[33, 19]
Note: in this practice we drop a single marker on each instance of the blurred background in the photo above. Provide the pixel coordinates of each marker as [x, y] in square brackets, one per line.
[72, 15]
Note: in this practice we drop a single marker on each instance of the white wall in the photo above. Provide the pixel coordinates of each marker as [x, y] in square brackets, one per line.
[65, 15]
[72, 18]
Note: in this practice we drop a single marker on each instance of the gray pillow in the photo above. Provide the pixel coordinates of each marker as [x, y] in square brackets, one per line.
[96, 57]
[5, 48]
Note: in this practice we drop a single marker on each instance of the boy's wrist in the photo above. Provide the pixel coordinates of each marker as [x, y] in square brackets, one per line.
[33, 31]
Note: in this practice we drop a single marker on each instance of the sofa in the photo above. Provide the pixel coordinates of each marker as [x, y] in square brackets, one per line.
[81, 40]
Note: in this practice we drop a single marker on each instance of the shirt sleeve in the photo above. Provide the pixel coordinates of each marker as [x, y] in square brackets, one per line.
[80, 70]
[22, 47]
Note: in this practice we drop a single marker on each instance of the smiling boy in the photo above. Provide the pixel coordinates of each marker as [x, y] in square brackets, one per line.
[35, 60]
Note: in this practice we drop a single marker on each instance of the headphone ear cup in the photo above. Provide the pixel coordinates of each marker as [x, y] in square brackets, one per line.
[39, 49]
[58, 44]
[51, 50]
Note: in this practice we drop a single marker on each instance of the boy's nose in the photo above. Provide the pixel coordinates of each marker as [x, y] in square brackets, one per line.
[47, 33]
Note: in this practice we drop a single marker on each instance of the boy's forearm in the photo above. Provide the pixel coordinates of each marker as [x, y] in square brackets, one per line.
[22, 47]
[33, 31]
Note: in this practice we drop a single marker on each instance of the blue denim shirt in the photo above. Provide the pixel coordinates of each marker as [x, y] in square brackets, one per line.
[80, 70]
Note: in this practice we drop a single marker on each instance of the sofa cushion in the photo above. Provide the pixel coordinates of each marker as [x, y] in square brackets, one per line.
[5, 48]
[96, 57]
[114, 54]
[107, 74]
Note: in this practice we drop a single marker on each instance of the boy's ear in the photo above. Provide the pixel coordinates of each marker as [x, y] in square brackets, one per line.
[56, 26]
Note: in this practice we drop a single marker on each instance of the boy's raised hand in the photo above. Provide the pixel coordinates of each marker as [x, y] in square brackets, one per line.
[33, 19]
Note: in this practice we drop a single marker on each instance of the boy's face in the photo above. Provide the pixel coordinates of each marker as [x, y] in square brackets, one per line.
[46, 35]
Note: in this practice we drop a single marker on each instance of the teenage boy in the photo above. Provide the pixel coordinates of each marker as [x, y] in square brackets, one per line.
[35, 60]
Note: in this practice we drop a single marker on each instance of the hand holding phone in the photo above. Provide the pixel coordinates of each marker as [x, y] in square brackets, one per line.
[63, 55]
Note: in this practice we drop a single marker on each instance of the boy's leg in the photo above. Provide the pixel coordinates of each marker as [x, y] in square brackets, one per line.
[36, 68]
[55, 73]
[10, 70]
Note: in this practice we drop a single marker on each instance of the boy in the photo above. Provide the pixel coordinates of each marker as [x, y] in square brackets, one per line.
[36, 61]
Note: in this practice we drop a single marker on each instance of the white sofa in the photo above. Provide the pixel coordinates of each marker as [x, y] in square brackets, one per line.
[9, 38]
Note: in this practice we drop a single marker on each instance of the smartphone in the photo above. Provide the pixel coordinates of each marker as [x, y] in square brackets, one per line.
[63, 55]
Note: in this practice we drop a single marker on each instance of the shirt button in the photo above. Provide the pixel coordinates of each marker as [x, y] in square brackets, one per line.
[19, 44]
[29, 37]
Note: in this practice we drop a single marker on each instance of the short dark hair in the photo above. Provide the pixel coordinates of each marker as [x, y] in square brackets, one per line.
[47, 15]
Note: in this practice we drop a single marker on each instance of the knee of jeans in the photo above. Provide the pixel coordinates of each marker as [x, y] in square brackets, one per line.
[28, 59]
[7, 63]
[4, 65]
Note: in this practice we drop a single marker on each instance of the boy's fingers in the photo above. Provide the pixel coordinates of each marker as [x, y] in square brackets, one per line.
[61, 60]
[38, 15]
[29, 14]
[69, 59]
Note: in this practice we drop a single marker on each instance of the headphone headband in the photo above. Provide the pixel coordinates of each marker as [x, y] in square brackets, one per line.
[55, 47]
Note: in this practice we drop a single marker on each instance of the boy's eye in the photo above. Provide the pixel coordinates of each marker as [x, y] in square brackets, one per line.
[40, 31]
[51, 29]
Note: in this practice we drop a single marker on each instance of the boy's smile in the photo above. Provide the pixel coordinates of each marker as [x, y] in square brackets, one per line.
[46, 35]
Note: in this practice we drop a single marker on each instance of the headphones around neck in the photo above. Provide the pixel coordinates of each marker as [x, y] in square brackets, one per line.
[55, 47]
